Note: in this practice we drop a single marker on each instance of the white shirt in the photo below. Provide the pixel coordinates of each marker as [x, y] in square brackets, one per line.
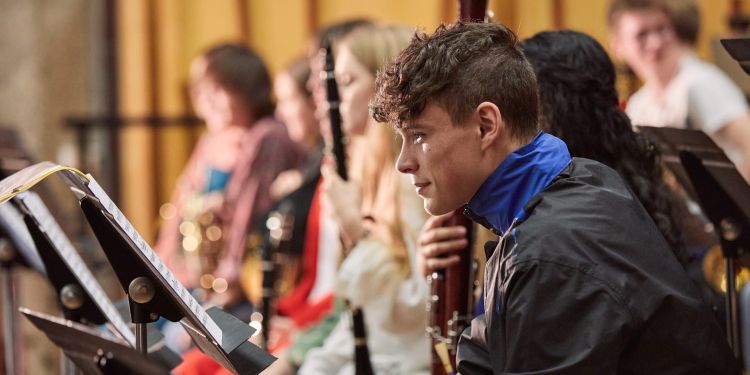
[393, 305]
[700, 96]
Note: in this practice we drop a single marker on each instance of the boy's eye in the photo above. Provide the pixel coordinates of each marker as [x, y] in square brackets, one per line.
[417, 138]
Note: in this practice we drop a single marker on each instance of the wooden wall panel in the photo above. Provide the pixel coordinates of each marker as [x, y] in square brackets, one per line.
[136, 98]
[279, 30]
[173, 143]
[426, 14]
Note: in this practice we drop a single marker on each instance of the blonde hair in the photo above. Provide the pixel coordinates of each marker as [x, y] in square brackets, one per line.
[374, 47]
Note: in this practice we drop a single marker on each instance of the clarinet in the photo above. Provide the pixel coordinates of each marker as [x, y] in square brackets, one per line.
[451, 299]
[362, 363]
[279, 224]
[334, 116]
[451, 302]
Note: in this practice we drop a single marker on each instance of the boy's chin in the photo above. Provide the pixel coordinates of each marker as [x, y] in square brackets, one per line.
[436, 209]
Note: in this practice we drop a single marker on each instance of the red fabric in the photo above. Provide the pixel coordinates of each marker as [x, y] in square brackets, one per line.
[194, 362]
[311, 313]
[294, 304]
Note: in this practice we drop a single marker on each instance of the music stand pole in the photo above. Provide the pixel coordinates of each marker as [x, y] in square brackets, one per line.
[732, 323]
[72, 298]
[9, 320]
[140, 292]
[730, 232]
[7, 279]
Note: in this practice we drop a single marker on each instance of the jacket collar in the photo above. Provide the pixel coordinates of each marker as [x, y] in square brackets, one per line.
[523, 174]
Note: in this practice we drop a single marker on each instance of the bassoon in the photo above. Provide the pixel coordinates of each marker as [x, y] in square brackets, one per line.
[451, 302]
[362, 363]
[452, 289]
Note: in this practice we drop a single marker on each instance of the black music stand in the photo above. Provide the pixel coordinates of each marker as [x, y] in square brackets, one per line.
[152, 289]
[702, 167]
[16, 250]
[154, 292]
[93, 352]
[739, 49]
[82, 298]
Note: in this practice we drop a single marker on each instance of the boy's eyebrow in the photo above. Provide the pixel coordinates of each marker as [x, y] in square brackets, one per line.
[411, 126]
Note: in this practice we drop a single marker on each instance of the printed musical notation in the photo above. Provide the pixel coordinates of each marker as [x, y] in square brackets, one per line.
[155, 261]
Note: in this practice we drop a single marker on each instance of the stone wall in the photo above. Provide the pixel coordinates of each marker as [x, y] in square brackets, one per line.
[51, 66]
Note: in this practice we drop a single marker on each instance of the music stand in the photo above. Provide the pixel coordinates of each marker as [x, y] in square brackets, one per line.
[82, 298]
[153, 290]
[93, 352]
[739, 50]
[713, 181]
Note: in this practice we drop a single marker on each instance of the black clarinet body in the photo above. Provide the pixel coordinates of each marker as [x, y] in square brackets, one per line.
[362, 363]
[334, 116]
[280, 224]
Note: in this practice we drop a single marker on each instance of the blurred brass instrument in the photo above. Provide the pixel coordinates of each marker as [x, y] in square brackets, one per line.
[202, 244]
[714, 271]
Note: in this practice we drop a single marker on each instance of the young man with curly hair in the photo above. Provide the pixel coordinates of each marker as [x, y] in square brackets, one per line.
[582, 281]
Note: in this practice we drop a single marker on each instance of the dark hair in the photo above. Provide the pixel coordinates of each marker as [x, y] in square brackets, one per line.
[458, 67]
[683, 14]
[579, 105]
[242, 72]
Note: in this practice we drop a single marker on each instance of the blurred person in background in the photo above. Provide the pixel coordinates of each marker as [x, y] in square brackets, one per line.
[224, 188]
[655, 37]
[378, 215]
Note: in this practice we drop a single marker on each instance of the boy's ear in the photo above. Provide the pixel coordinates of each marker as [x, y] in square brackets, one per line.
[490, 122]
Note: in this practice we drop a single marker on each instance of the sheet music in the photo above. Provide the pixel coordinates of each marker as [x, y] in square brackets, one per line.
[28, 177]
[145, 249]
[70, 256]
[12, 221]
[86, 185]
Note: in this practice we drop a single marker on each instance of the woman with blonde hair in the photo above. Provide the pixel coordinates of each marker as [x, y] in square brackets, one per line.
[379, 216]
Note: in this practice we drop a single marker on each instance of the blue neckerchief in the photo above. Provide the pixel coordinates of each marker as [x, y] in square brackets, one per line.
[522, 175]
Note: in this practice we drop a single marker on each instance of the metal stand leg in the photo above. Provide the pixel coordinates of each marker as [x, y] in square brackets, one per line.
[9, 321]
[140, 292]
[68, 367]
[731, 304]
[141, 340]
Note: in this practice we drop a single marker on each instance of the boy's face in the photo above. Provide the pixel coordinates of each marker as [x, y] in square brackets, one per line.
[442, 159]
[645, 40]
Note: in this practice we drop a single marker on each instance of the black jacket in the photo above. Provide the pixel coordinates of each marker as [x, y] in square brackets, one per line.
[587, 285]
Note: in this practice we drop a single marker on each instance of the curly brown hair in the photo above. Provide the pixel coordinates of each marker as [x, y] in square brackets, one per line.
[458, 67]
